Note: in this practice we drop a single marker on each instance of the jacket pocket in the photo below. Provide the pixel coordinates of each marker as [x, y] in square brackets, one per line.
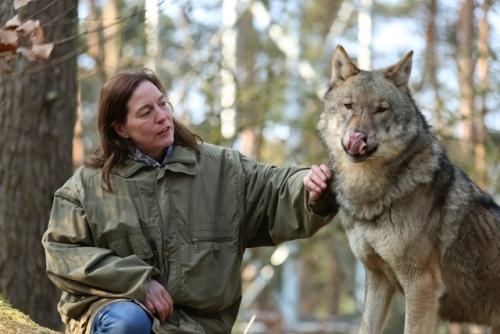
[210, 273]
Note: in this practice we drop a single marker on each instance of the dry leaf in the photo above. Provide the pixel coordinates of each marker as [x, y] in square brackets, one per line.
[8, 36]
[37, 51]
[37, 35]
[42, 51]
[28, 27]
[20, 3]
[7, 47]
[13, 23]
[8, 40]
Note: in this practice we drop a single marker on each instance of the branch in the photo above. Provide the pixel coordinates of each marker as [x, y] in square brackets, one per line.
[59, 60]
[43, 9]
[86, 32]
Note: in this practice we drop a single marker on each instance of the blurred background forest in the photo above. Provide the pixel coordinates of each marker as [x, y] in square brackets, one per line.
[249, 74]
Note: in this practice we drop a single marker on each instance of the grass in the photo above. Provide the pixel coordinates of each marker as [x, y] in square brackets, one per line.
[13, 321]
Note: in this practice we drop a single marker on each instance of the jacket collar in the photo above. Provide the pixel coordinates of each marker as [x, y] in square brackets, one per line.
[182, 160]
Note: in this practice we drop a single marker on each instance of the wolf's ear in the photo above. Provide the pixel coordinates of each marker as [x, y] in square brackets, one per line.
[399, 73]
[342, 65]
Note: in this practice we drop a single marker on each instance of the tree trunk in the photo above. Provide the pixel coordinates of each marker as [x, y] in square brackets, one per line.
[465, 70]
[95, 38]
[365, 26]
[152, 31]
[112, 37]
[482, 68]
[228, 70]
[431, 65]
[37, 114]
[249, 103]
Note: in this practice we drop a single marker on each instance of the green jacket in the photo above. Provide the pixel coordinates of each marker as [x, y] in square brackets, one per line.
[185, 224]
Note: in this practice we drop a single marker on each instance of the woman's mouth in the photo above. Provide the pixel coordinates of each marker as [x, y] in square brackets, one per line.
[164, 131]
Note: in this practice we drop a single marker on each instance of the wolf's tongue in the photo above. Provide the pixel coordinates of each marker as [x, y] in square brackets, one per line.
[356, 144]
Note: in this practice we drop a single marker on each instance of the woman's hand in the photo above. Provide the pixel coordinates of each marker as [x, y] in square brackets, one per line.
[158, 301]
[317, 180]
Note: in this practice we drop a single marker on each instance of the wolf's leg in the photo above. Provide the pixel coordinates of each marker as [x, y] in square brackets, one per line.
[378, 293]
[422, 292]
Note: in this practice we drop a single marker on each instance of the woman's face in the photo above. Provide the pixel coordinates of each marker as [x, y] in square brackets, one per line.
[149, 122]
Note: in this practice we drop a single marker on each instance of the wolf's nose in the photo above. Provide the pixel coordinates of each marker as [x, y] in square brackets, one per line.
[357, 143]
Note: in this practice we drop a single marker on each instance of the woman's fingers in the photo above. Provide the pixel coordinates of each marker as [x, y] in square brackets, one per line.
[158, 301]
[168, 300]
[149, 306]
[326, 171]
[162, 309]
[316, 181]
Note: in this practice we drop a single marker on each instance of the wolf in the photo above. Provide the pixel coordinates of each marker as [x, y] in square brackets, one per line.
[417, 222]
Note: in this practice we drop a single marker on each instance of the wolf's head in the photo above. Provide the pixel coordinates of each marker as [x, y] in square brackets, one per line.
[369, 115]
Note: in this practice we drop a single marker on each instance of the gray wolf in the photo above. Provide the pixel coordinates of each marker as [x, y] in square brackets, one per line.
[417, 222]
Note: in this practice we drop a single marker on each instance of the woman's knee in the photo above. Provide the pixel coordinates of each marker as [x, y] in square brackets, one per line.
[123, 317]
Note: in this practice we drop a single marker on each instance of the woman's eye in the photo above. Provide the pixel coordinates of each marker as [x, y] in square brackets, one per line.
[145, 113]
[348, 105]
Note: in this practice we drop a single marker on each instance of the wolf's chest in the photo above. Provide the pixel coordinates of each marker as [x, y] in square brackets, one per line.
[387, 239]
[372, 239]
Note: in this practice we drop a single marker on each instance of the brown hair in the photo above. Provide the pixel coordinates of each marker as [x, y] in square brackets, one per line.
[112, 109]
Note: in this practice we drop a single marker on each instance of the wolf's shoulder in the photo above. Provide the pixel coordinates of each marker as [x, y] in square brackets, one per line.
[466, 196]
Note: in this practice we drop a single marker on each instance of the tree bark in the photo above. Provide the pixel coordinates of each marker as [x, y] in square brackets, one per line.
[431, 64]
[228, 69]
[95, 39]
[482, 70]
[112, 37]
[250, 104]
[37, 114]
[465, 70]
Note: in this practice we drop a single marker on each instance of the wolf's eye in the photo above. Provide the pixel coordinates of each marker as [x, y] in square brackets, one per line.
[381, 110]
[348, 105]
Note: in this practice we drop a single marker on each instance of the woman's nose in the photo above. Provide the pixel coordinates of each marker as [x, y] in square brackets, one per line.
[162, 114]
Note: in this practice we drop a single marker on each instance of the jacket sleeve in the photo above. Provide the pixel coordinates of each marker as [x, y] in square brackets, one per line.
[277, 207]
[75, 265]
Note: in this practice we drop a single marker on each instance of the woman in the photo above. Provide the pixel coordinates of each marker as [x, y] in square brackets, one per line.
[149, 235]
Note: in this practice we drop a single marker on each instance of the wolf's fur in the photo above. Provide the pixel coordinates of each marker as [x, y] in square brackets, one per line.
[416, 221]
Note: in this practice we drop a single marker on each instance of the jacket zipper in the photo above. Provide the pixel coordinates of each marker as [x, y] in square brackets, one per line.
[196, 241]
[162, 229]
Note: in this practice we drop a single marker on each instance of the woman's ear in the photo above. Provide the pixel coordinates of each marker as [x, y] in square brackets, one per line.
[120, 130]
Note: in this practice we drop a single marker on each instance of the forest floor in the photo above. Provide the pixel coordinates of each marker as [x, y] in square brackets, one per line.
[13, 321]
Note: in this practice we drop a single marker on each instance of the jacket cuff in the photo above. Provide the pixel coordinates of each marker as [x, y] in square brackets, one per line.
[324, 206]
[140, 294]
